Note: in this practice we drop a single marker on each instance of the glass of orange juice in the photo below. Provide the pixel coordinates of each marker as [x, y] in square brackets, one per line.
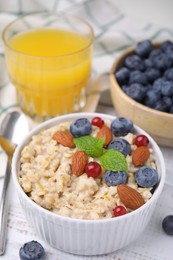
[49, 59]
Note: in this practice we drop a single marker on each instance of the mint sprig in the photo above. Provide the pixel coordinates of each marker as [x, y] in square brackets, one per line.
[113, 161]
[91, 145]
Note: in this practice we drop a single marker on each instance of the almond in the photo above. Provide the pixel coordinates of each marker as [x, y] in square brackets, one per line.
[64, 138]
[79, 160]
[140, 155]
[131, 198]
[105, 132]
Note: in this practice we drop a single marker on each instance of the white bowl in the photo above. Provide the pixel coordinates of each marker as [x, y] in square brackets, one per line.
[86, 237]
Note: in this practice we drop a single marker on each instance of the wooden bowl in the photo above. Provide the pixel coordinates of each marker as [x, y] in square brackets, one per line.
[158, 124]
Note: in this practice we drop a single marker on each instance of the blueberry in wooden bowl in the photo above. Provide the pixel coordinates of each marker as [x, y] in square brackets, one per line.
[141, 84]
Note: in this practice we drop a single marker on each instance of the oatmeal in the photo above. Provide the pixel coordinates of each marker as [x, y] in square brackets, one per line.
[65, 168]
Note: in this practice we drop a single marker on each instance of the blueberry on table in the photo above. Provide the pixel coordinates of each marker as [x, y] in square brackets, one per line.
[152, 74]
[120, 145]
[134, 62]
[121, 126]
[31, 251]
[146, 177]
[115, 178]
[167, 225]
[122, 75]
[138, 76]
[80, 127]
[144, 48]
[136, 91]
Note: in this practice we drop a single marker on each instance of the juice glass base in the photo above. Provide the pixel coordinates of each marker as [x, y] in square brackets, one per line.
[41, 106]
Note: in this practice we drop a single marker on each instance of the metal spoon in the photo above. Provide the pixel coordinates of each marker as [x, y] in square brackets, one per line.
[13, 128]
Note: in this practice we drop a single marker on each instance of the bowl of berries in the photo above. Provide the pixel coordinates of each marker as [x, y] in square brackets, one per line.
[141, 83]
[85, 179]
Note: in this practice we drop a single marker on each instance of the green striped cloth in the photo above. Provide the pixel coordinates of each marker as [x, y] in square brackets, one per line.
[114, 32]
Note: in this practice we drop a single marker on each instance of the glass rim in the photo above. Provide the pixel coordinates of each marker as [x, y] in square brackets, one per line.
[59, 15]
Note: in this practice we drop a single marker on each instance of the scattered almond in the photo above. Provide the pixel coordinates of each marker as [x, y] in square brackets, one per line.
[140, 155]
[79, 160]
[65, 138]
[105, 132]
[131, 198]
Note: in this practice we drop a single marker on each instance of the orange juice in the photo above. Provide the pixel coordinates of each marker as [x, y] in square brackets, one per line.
[50, 69]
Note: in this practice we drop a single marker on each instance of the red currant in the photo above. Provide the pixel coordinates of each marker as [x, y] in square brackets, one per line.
[119, 211]
[97, 121]
[93, 169]
[141, 140]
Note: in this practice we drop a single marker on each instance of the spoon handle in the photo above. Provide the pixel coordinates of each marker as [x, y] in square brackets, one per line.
[4, 209]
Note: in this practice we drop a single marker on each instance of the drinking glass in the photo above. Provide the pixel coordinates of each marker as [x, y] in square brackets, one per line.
[49, 60]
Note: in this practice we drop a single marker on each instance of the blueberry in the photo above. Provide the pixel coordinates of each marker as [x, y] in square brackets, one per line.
[138, 76]
[162, 62]
[121, 126]
[155, 53]
[136, 91]
[115, 178]
[146, 177]
[134, 62]
[120, 145]
[167, 225]
[171, 109]
[31, 251]
[122, 75]
[144, 48]
[124, 88]
[158, 85]
[80, 127]
[169, 74]
[152, 74]
[151, 98]
[167, 88]
[148, 63]
[168, 101]
[161, 105]
[167, 47]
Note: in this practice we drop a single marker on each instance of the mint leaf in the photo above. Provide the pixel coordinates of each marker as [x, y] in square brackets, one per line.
[113, 161]
[91, 145]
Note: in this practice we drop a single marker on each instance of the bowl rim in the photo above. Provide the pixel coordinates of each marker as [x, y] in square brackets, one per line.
[115, 66]
[51, 122]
